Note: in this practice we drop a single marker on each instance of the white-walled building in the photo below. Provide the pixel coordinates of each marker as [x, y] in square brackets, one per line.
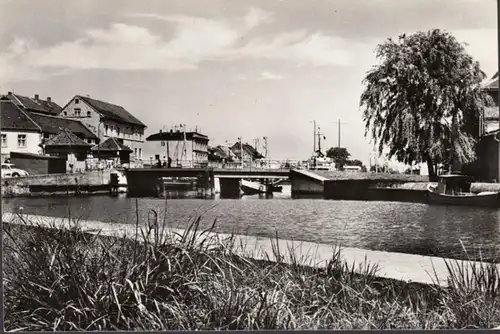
[19, 133]
[186, 149]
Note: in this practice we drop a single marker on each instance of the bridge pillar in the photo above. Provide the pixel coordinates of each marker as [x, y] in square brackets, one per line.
[229, 187]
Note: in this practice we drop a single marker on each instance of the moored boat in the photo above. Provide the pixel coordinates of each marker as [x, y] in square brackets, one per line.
[454, 189]
[252, 188]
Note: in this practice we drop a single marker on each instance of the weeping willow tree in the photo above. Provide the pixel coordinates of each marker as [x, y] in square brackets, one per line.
[423, 100]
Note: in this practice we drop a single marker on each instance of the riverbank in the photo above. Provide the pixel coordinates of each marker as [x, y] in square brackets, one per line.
[90, 182]
[193, 281]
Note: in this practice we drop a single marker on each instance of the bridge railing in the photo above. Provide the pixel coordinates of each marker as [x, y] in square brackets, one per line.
[258, 164]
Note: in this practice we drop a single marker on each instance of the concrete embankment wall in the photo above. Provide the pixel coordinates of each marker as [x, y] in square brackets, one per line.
[398, 266]
[56, 183]
[357, 185]
[373, 189]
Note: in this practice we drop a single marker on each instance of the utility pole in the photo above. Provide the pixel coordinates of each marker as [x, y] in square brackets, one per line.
[339, 134]
[338, 129]
[314, 146]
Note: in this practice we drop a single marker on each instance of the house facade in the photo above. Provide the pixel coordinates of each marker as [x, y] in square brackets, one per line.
[106, 120]
[19, 133]
[186, 149]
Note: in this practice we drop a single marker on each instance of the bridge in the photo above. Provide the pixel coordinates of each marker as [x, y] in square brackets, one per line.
[145, 181]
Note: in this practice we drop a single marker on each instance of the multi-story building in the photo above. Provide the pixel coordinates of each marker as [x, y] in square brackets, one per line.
[107, 120]
[186, 149]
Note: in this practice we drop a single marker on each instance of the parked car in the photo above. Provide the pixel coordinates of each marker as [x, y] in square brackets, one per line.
[10, 170]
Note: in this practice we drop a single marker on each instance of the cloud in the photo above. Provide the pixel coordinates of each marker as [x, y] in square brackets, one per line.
[256, 17]
[271, 76]
[193, 40]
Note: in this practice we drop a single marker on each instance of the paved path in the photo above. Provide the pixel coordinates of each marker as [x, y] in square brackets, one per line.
[399, 266]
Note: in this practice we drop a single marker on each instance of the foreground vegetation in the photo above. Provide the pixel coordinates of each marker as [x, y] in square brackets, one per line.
[65, 279]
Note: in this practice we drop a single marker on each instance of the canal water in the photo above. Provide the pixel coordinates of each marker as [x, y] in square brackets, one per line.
[387, 226]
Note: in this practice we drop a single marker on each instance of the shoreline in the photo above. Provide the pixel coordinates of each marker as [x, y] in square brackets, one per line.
[397, 266]
[197, 279]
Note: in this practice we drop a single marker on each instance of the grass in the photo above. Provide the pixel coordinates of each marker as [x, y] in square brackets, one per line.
[66, 279]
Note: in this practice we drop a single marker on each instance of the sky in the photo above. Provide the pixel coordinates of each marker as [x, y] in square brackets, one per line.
[240, 68]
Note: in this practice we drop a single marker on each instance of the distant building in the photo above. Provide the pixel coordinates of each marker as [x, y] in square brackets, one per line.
[186, 149]
[107, 120]
[249, 152]
[35, 104]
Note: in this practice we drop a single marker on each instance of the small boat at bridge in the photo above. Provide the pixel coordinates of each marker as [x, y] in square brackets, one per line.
[252, 187]
[454, 189]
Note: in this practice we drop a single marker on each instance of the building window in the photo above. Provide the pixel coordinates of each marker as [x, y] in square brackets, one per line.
[77, 101]
[106, 129]
[21, 140]
[88, 113]
[140, 153]
[65, 113]
[78, 112]
[4, 140]
[118, 131]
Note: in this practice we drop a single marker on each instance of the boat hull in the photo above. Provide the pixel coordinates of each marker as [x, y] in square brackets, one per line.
[490, 199]
[252, 188]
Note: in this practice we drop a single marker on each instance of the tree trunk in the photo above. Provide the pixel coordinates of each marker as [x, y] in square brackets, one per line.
[432, 171]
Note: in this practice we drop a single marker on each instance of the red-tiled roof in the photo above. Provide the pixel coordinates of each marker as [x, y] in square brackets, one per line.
[112, 111]
[54, 125]
[66, 138]
[13, 117]
[33, 104]
[111, 144]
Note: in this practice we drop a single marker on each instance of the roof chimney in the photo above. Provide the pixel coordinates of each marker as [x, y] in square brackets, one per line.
[37, 97]
[160, 130]
[9, 93]
[49, 99]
